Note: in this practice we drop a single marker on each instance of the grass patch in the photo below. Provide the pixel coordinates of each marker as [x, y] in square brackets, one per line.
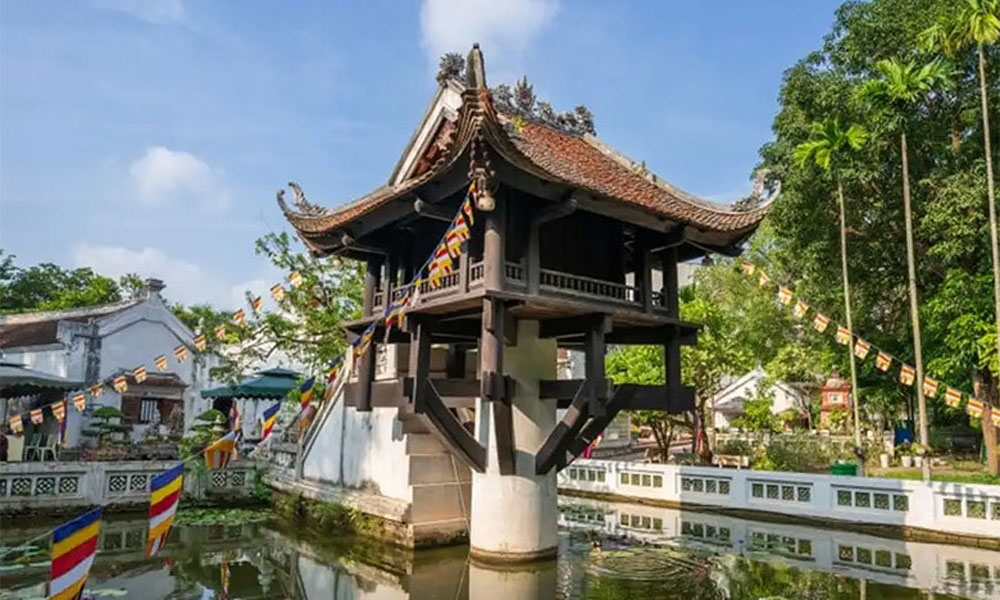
[327, 516]
[948, 476]
[222, 516]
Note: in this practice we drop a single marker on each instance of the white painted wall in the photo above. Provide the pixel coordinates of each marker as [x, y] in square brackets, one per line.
[747, 387]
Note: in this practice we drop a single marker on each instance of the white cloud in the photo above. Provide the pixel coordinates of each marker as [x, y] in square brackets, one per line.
[168, 177]
[503, 28]
[186, 282]
[151, 11]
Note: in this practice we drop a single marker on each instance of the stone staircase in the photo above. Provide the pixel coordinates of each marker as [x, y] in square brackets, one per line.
[441, 489]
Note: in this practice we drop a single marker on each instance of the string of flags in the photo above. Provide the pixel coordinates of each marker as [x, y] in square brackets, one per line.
[862, 348]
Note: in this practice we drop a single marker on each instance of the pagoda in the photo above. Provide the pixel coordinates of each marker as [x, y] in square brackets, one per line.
[571, 245]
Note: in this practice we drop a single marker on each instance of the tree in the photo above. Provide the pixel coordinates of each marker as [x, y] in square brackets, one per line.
[49, 287]
[900, 88]
[828, 143]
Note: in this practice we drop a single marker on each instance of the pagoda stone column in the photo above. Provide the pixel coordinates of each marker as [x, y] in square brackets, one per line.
[531, 582]
[513, 516]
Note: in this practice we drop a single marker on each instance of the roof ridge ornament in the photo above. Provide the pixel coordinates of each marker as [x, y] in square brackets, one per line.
[765, 191]
[520, 101]
[302, 205]
[475, 69]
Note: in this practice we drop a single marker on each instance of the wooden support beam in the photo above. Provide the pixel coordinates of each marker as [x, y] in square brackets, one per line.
[594, 426]
[420, 359]
[491, 347]
[556, 211]
[687, 335]
[574, 326]
[644, 275]
[366, 375]
[557, 443]
[373, 273]
[349, 244]
[428, 210]
[594, 349]
[450, 387]
[455, 362]
[670, 283]
[493, 248]
[533, 269]
[673, 400]
[503, 429]
[383, 394]
[672, 360]
[448, 430]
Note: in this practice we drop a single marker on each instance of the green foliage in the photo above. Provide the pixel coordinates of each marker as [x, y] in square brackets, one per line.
[757, 415]
[49, 287]
[828, 143]
[221, 516]
[109, 425]
[329, 517]
[801, 452]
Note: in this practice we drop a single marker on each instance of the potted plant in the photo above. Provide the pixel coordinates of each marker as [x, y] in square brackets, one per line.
[883, 460]
[905, 452]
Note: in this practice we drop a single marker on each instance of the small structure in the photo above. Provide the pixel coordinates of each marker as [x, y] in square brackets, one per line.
[836, 397]
[253, 395]
[20, 385]
[97, 343]
[729, 402]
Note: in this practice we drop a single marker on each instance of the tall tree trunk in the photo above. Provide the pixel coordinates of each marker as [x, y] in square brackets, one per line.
[847, 313]
[918, 357]
[991, 196]
[984, 386]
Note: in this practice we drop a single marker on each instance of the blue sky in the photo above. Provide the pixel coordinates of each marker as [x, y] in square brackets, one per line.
[150, 136]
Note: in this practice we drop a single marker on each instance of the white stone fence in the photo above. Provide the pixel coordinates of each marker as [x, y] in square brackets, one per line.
[956, 508]
[41, 486]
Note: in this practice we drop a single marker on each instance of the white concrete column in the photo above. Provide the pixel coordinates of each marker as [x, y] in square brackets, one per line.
[513, 517]
[536, 583]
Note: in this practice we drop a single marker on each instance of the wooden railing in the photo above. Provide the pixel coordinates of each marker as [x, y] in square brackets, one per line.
[588, 286]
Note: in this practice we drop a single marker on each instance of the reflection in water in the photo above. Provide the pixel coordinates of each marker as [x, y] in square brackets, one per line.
[607, 551]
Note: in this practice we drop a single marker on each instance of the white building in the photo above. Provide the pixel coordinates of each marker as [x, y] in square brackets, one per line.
[728, 403]
[98, 343]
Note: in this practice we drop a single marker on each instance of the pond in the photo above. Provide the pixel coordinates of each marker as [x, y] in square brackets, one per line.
[607, 551]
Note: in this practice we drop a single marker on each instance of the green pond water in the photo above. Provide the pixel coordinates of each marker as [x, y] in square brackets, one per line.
[607, 551]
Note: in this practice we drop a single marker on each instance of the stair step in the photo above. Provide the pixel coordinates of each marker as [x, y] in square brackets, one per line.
[436, 468]
[440, 501]
[423, 443]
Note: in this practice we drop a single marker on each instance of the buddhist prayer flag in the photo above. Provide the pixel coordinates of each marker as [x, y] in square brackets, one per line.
[256, 303]
[164, 496]
[748, 268]
[120, 384]
[952, 397]
[80, 402]
[454, 244]
[906, 374]
[820, 322]
[240, 317]
[59, 410]
[882, 361]
[139, 374]
[161, 362]
[295, 279]
[224, 580]
[306, 392]
[800, 310]
[995, 417]
[220, 332]
[217, 455]
[269, 417]
[467, 208]
[181, 353]
[861, 348]
[305, 418]
[843, 335]
[235, 420]
[930, 387]
[200, 342]
[332, 369]
[16, 424]
[36, 416]
[974, 408]
[73, 548]
[784, 295]
[96, 390]
[764, 279]
[460, 227]
[278, 292]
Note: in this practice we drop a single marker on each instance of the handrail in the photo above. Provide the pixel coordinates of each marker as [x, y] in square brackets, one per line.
[324, 412]
[581, 284]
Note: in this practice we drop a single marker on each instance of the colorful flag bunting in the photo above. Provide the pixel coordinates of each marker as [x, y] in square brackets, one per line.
[882, 361]
[224, 580]
[96, 390]
[220, 332]
[332, 369]
[240, 317]
[995, 417]
[467, 208]
[454, 243]
[800, 309]
[764, 279]
[460, 228]
[120, 384]
[861, 348]
[906, 374]
[139, 374]
[161, 362]
[295, 279]
[843, 335]
[784, 295]
[36, 416]
[200, 342]
[181, 353]
[748, 268]
[256, 303]
[306, 392]
[59, 410]
[74, 545]
[974, 408]
[218, 454]
[164, 495]
[80, 402]
[952, 397]
[820, 322]
[269, 417]
[930, 387]
[278, 292]
[235, 419]
[16, 424]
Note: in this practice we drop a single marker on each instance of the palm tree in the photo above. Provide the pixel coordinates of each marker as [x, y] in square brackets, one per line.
[827, 147]
[901, 86]
[976, 22]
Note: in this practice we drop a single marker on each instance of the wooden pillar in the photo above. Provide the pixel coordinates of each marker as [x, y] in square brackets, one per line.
[492, 384]
[455, 362]
[373, 273]
[534, 266]
[644, 273]
[420, 360]
[366, 375]
[393, 275]
[594, 350]
[493, 248]
[670, 299]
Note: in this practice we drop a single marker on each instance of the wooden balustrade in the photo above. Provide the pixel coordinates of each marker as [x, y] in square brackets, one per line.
[587, 286]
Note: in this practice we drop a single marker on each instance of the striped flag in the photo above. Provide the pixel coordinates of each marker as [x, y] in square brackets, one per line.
[930, 387]
[59, 410]
[974, 408]
[995, 417]
[217, 455]
[235, 420]
[161, 362]
[952, 397]
[784, 295]
[269, 418]
[820, 322]
[278, 292]
[306, 392]
[96, 390]
[164, 496]
[361, 346]
[467, 208]
[80, 402]
[295, 279]
[200, 342]
[906, 374]
[240, 317]
[764, 279]
[220, 332]
[224, 580]
[843, 335]
[256, 303]
[120, 384]
[139, 374]
[36, 416]
[454, 244]
[16, 424]
[800, 310]
[882, 361]
[460, 227]
[747, 267]
[74, 545]
[332, 369]
[861, 348]
[181, 353]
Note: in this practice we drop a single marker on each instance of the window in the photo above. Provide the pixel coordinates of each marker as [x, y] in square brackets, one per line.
[845, 553]
[600, 476]
[900, 503]
[883, 558]
[805, 494]
[757, 490]
[772, 492]
[686, 484]
[835, 398]
[903, 561]
[952, 508]
[657, 523]
[996, 514]
[647, 481]
[572, 473]
[591, 475]
[635, 479]
[975, 509]
[955, 569]
[699, 485]
[658, 481]
[623, 520]
[843, 498]
[864, 556]
[862, 499]
[624, 478]
[148, 411]
[724, 487]
[882, 501]
[805, 547]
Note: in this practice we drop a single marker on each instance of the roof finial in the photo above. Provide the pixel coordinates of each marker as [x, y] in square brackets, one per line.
[475, 69]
